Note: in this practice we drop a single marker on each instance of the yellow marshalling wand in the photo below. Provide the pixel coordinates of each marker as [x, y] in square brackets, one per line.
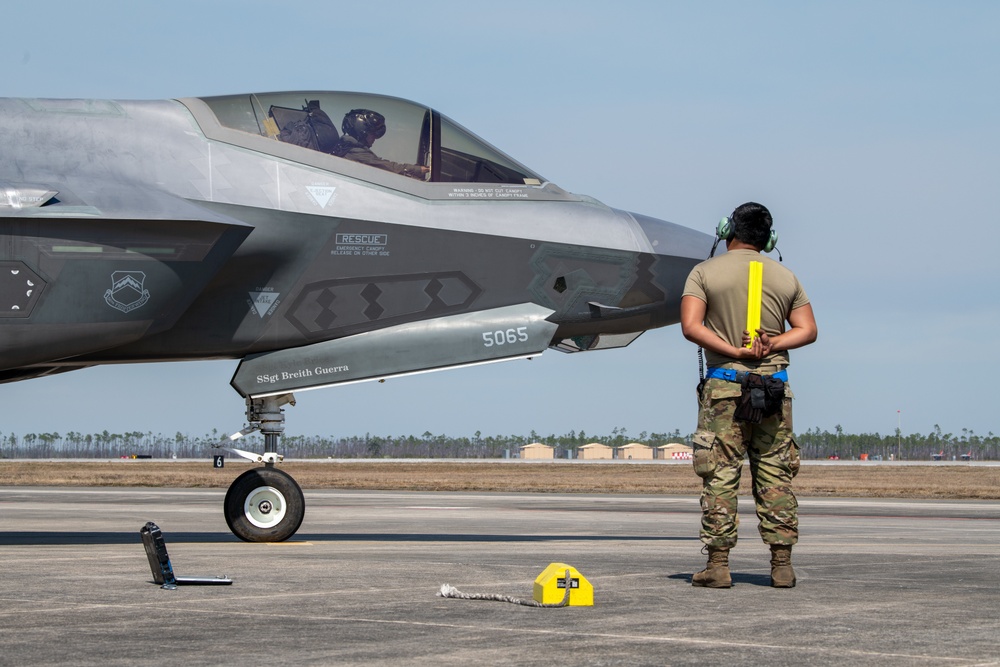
[754, 295]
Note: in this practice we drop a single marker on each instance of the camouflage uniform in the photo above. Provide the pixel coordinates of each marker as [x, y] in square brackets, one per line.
[720, 446]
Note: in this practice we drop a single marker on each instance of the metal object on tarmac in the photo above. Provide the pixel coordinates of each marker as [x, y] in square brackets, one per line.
[159, 562]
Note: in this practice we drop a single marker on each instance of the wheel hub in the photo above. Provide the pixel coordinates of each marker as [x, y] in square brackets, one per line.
[265, 507]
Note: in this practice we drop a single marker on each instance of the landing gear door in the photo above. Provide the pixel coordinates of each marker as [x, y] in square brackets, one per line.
[510, 332]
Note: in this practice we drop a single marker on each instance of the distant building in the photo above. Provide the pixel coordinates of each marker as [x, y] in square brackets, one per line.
[675, 450]
[637, 451]
[537, 450]
[595, 451]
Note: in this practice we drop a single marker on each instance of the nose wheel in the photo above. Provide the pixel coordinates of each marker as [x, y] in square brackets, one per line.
[264, 505]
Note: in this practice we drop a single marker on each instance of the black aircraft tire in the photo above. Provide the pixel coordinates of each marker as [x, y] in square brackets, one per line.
[264, 505]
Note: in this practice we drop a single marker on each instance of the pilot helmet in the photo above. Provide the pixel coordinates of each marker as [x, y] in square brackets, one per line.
[359, 122]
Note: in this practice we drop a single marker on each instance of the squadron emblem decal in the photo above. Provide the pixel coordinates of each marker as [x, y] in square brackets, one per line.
[127, 292]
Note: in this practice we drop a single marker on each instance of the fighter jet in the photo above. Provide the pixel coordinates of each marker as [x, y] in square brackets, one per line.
[320, 238]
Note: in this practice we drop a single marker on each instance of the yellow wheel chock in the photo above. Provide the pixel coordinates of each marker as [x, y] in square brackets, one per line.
[551, 585]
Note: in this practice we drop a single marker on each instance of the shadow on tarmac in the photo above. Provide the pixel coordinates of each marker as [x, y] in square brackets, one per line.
[58, 538]
[54, 538]
[738, 578]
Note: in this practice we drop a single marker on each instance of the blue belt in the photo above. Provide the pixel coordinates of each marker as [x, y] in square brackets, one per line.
[737, 376]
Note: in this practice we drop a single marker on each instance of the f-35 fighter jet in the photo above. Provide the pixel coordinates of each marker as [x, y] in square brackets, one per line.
[321, 238]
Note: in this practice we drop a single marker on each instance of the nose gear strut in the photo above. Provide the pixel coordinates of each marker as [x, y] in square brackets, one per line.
[264, 415]
[264, 504]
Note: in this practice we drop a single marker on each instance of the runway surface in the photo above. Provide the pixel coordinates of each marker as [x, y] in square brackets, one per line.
[879, 582]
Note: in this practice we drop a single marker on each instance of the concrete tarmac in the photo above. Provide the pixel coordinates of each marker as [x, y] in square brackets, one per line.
[880, 582]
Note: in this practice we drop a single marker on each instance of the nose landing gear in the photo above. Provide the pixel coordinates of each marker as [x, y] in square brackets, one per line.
[264, 504]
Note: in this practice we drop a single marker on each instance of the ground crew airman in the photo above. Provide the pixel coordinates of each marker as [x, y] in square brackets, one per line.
[745, 404]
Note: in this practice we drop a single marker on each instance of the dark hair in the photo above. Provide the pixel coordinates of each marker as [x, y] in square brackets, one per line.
[752, 224]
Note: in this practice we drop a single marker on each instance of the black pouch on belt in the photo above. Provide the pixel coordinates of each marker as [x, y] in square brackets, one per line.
[761, 397]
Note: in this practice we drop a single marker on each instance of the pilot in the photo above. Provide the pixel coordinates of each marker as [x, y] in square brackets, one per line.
[361, 127]
[745, 406]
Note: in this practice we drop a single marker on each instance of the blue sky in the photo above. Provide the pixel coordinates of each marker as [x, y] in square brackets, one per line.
[868, 128]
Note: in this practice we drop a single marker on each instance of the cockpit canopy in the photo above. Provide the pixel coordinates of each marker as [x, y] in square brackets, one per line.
[414, 141]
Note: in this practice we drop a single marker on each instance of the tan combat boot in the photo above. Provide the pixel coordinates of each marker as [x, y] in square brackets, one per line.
[782, 574]
[716, 573]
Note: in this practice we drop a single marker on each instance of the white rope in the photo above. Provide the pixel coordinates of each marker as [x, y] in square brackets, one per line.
[449, 591]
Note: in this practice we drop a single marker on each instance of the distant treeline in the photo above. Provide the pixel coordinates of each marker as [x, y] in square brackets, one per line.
[815, 444]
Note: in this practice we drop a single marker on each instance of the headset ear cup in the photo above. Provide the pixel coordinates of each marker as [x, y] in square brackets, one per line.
[724, 230]
[772, 241]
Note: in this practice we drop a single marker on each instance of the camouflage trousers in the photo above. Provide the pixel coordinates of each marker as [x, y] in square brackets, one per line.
[720, 447]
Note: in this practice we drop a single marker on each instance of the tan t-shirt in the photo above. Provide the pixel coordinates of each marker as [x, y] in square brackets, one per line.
[722, 283]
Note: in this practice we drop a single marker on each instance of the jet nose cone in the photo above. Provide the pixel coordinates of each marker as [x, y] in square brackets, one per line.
[668, 238]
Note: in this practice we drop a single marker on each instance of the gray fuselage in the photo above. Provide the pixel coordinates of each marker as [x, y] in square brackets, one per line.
[172, 235]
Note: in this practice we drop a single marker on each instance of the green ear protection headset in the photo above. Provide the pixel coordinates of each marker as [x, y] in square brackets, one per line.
[726, 230]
